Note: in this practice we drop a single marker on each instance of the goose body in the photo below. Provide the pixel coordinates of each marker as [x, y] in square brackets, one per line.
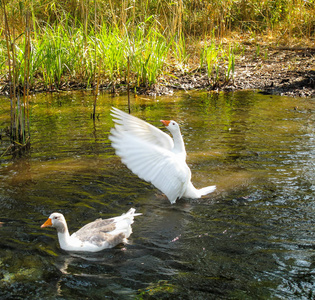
[154, 156]
[95, 236]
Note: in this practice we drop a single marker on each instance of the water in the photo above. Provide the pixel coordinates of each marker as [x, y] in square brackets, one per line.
[251, 239]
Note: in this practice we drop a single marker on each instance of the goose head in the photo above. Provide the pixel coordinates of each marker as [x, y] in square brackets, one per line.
[171, 125]
[57, 221]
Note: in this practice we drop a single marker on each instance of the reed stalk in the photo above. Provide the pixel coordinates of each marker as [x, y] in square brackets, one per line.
[8, 44]
[26, 74]
[128, 83]
[11, 72]
[97, 71]
[19, 136]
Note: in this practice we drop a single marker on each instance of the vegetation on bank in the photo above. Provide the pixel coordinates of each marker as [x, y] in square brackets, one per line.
[52, 45]
[83, 41]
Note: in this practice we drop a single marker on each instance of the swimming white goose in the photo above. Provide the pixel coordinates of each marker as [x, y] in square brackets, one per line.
[95, 236]
[154, 156]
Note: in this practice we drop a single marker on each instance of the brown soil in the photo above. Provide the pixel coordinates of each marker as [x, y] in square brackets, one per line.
[284, 71]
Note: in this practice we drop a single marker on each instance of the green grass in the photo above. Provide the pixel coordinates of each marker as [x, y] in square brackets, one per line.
[60, 54]
[148, 53]
[219, 62]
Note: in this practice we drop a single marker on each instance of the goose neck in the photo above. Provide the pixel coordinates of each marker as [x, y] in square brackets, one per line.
[178, 142]
[64, 236]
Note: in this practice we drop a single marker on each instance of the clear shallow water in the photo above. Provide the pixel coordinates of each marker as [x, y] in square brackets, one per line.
[251, 239]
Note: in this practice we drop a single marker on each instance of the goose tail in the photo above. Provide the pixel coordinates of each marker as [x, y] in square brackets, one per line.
[131, 213]
[207, 190]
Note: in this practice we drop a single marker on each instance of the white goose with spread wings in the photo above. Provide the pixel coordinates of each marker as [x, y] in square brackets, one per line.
[95, 236]
[154, 156]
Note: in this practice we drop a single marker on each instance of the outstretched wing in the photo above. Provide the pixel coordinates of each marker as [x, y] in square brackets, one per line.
[140, 129]
[152, 162]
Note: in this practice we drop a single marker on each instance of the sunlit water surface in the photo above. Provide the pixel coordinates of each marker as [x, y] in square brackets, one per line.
[251, 239]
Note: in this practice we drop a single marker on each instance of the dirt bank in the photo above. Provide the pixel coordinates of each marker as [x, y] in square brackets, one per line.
[282, 71]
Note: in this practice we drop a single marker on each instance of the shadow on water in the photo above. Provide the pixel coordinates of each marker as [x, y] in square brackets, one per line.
[251, 239]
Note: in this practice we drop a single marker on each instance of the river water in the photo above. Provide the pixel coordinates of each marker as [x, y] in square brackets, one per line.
[253, 238]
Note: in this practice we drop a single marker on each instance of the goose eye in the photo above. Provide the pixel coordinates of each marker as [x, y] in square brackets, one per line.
[55, 218]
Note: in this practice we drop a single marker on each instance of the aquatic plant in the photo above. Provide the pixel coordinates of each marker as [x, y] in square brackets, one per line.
[156, 289]
[219, 62]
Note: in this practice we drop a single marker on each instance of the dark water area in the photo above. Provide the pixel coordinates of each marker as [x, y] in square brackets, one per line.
[253, 238]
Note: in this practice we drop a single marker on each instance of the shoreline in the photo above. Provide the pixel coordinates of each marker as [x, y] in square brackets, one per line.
[284, 71]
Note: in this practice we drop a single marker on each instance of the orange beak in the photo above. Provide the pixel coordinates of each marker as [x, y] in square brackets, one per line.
[47, 223]
[166, 123]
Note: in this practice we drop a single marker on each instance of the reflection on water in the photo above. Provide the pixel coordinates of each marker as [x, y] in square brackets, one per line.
[251, 239]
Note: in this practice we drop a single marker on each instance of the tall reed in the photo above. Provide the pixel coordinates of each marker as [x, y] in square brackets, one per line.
[191, 17]
[19, 125]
